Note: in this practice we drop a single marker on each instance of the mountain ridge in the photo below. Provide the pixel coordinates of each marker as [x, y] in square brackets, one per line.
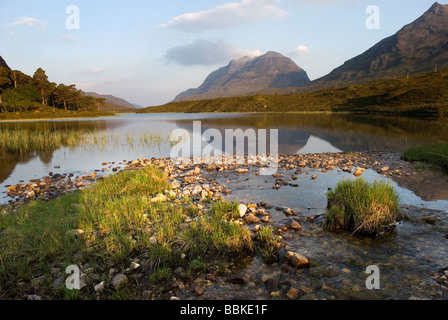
[418, 47]
[112, 99]
[245, 75]
[3, 64]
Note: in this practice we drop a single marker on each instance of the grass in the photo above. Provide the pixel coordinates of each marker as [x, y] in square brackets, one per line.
[422, 94]
[268, 244]
[119, 223]
[436, 155]
[23, 140]
[360, 207]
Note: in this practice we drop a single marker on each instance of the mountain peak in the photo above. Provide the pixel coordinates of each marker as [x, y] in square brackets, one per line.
[3, 64]
[437, 7]
[417, 47]
[272, 54]
[246, 76]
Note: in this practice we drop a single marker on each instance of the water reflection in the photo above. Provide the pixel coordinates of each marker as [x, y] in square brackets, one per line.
[128, 137]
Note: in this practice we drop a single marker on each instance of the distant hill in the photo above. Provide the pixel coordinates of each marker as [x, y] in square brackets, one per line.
[247, 75]
[113, 103]
[3, 64]
[418, 47]
[422, 94]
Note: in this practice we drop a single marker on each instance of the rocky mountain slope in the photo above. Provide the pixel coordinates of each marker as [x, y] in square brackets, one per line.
[248, 75]
[420, 46]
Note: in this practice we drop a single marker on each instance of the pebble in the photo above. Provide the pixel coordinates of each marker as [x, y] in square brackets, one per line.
[119, 281]
[296, 259]
[293, 294]
[242, 210]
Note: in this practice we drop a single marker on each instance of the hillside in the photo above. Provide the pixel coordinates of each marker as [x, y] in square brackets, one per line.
[246, 75]
[422, 94]
[3, 64]
[113, 103]
[418, 47]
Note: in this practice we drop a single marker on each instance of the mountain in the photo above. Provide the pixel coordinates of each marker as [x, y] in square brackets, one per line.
[3, 64]
[418, 47]
[247, 76]
[113, 103]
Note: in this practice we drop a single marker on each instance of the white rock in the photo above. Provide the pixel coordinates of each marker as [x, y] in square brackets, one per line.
[100, 287]
[242, 210]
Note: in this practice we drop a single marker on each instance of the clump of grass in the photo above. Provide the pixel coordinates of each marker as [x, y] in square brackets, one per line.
[268, 244]
[436, 155]
[213, 234]
[360, 207]
[118, 222]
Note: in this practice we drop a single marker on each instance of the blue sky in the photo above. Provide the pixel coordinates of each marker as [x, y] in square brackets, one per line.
[148, 51]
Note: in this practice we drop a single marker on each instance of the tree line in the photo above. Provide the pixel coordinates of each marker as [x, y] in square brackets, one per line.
[20, 92]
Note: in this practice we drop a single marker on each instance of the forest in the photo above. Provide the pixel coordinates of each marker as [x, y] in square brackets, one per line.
[21, 93]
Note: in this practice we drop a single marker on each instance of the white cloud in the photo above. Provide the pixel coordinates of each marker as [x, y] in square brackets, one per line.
[226, 15]
[30, 22]
[205, 52]
[97, 70]
[302, 49]
[299, 51]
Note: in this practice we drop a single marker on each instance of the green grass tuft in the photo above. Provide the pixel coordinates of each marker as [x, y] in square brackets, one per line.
[436, 155]
[360, 207]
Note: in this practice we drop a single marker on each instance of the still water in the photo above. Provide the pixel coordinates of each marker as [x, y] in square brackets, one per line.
[116, 140]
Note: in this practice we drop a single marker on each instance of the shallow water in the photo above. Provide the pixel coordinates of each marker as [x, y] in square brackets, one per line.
[122, 138]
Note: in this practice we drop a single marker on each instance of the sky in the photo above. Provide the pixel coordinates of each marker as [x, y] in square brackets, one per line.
[149, 51]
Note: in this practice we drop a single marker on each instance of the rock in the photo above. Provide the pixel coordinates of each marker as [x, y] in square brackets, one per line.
[252, 205]
[75, 232]
[241, 170]
[265, 218]
[357, 173]
[296, 259]
[242, 210]
[38, 281]
[134, 265]
[58, 283]
[314, 177]
[31, 194]
[271, 284]
[34, 297]
[287, 211]
[189, 180]
[293, 294]
[307, 290]
[384, 169]
[159, 198]
[237, 280]
[295, 225]
[196, 190]
[119, 281]
[198, 290]
[99, 287]
[175, 184]
[251, 218]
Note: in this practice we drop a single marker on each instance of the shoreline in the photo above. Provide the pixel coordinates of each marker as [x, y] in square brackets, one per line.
[198, 183]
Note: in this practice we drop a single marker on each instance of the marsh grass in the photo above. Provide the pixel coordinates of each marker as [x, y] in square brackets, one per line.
[435, 155]
[22, 140]
[119, 223]
[360, 207]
